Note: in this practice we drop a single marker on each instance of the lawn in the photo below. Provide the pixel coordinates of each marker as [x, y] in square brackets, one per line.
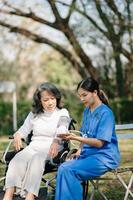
[111, 188]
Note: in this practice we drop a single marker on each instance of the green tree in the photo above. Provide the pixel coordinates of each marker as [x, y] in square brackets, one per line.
[110, 21]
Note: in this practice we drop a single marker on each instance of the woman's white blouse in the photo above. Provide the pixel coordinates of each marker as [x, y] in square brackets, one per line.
[46, 125]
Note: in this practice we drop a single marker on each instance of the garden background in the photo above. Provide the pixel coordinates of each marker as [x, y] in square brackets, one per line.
[63, 41]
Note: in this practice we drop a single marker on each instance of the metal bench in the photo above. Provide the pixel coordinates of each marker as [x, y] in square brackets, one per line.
[117, 173]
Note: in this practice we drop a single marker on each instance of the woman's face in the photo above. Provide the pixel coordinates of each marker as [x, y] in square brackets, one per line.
[87, 98]
[48, 101]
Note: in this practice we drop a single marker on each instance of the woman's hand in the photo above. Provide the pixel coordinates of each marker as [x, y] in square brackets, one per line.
[53, 149]
[17, 142]
[67, 136]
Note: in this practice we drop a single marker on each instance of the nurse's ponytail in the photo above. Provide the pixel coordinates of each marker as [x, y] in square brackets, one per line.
[103, 97]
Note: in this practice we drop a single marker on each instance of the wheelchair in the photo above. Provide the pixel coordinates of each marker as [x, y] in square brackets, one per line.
[51, 167]
[47, 188]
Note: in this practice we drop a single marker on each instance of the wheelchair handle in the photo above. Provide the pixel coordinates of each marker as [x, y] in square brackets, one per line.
[11, 137]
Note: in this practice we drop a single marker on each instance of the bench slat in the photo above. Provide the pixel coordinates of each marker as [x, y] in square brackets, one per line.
[123, 127]
[125, 135]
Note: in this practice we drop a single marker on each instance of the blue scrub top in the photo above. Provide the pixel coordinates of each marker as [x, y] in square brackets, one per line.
[100, 124]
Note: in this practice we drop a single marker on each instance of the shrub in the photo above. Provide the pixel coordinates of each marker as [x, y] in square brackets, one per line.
[122, 108]
[6, 116]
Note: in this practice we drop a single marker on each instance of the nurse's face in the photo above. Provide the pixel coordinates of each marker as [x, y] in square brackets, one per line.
[48, 101]
[87, 98]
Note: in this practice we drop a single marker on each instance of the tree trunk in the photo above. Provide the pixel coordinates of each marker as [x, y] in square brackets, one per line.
[119, 76]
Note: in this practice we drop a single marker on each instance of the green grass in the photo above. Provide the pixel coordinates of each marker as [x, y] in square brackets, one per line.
[112, 189]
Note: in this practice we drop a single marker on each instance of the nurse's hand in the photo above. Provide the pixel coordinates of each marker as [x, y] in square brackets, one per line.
[73, 155]
[17, 142]
[53, 151]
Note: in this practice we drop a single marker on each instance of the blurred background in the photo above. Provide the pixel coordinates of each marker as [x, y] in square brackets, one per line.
[63, 41]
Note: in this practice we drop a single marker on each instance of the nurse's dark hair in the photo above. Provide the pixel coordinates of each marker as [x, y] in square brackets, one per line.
[89, 84]
[49, 87]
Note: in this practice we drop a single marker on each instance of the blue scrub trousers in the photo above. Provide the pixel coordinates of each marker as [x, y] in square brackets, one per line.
[71, 173]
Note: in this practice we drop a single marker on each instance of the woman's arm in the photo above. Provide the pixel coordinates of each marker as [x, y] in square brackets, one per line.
[62, 127]
[53, 151]
[91, 141]
[17, 142]
[27, 126]
[23, 132]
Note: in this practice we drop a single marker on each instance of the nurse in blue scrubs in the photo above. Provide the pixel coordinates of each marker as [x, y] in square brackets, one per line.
[99, 151]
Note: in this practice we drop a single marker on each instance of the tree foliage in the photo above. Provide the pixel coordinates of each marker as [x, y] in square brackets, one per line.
[105, 25]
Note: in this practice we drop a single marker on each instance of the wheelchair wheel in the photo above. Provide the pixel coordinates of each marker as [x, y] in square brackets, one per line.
[1, 193]
[43, 194]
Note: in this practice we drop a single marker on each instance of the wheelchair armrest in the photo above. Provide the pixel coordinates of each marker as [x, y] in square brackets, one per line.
[12, 137]
[10, 154]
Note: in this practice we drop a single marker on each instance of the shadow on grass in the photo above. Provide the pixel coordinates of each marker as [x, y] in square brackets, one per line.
[112, 192]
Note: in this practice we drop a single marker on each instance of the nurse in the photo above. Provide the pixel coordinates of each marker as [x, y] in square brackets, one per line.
[99, 151]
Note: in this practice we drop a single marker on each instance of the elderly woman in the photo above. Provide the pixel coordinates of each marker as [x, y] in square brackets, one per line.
[46, 120]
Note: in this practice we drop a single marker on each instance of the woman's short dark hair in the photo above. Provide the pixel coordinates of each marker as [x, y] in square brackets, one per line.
[89, 84]
[37, 105]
